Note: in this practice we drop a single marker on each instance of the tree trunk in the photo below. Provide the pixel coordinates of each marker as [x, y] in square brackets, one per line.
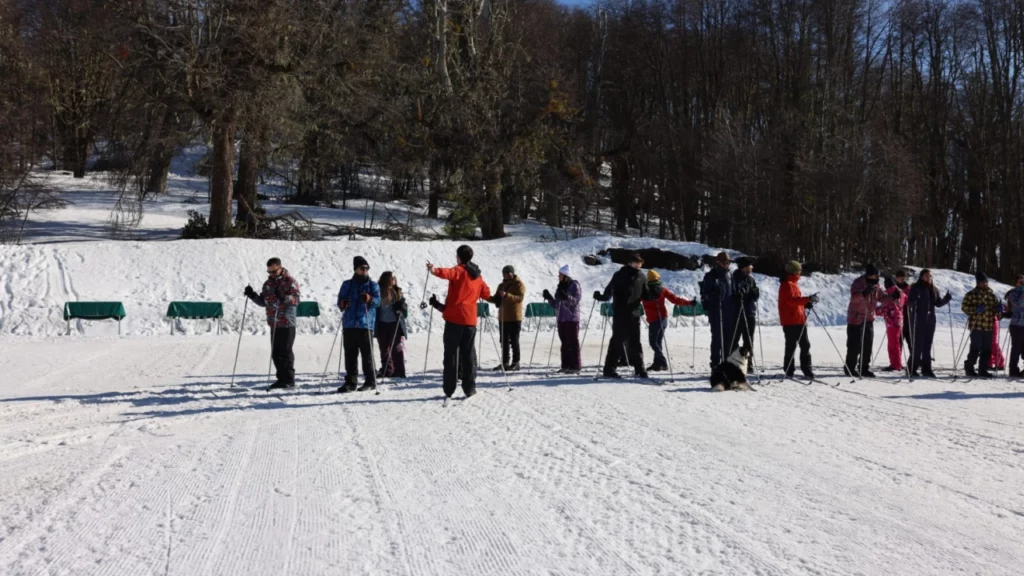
[248, 171]
[223, 168]
[436, 188]
[492, 224]
[159, 167]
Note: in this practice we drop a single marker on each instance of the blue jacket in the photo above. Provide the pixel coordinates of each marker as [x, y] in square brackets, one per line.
[1016, 299]
[716, 295]
[359, 314]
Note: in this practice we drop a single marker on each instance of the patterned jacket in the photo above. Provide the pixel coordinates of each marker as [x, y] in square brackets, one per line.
[892, 311]
[864, 301]
[1015, 298]
[280, 296]
[981, 307]
[358, 314]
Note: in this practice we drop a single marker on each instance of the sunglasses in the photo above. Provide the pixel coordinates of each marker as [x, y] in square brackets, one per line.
[363, 268]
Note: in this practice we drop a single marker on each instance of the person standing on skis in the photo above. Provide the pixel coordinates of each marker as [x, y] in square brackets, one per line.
[892, 312]
[865, 295]
[465, 289]
[793, 306]
[720, 306]
[566, 302]
[280, 296]
[980, 305]
[627, 290]
[921, 304]
[746, 293]
[358, 300]
[391, 328]
[657, 317]
[1015, 311]
[509, 299]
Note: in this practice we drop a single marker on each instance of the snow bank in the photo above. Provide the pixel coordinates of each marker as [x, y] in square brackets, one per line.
[38, 279]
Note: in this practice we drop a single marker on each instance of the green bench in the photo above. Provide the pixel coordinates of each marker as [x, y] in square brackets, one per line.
[310, 309]
[94, 311]
[196, 311]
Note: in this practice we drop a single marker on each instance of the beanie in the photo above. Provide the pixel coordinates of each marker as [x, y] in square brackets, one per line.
[508, 270]
[465, 254]
[981, 277]
[744, 261]
[565, 271]
[652, 276]
[359, 262]
[793, 267]
[870, 270]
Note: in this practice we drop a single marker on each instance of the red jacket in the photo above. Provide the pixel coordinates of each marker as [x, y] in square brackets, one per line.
[792, 303]
[465, 288]
[656, 310]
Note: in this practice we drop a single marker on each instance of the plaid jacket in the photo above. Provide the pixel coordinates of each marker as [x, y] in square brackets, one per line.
[985, 300]
[280, 296]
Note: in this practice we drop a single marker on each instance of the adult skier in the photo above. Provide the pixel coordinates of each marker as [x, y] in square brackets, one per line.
[921, 304]
[793, 306]
[746, 293]
[391, 327]
[280, 296]
[1015, 311]
[892, 312]
[509, 299]
[657, 317]
[865, 295]
[720, 306]
[566, 302]
[980, 305]
[465, 289]
[626, 290]
[358, 300]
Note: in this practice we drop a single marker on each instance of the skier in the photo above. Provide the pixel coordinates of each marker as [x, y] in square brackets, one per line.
[626, 290]
[719, 305]
[657, 317]
[904, 285]
[391, 327]
[567, 304]
[509, 300]
[465, 289]
[921, 304]
[998, 361]
[793, 306]
[1015, 311]
[280, 296]
[746, 293]
[439, 306]
[980, 305]
[358, 300]
[865, 295]
[892, 312]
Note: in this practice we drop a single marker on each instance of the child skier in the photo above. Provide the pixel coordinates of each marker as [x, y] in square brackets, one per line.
[892, 311]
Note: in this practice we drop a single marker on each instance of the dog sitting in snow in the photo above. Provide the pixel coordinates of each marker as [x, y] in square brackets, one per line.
[732, 374]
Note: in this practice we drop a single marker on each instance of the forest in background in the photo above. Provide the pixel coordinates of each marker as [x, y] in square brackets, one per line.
[829, 131]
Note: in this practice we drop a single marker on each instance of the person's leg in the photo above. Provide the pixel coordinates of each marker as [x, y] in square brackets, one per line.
[975, 350]
[985, 358]
[792, 335]
[853, 332]
[805, 355]
[366, 351]
[515, 328]
[716, 340]
[1016, 348]
[634, 347]
[283, 355]
[867, 347]
[574, 357]
[894, 341]
[655, 333]
[615, 346]
[385, 336]
[925, 353]
[506, 343]
[998, 361]
[563, 346]
[350, 341]
[467, 356]
[452, 339]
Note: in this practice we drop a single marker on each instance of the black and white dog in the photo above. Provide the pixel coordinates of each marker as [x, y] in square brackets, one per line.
[732, 374]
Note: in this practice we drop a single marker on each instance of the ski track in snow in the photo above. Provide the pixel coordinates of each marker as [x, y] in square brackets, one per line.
[134, 456]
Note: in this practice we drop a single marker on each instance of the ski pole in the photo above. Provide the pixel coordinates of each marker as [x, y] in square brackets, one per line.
[423, 300]
[818, 319]
[880, 344]
[664, 344]
[391, 350]
[757, 326]
[585, 330]
[604, 331]
[551, 346]
[535, 336]
[746, 329]
[952, 346]
[860, 352]
[238, 348]
[430, 325]
[369, 334]
[501, 361]
[693, 342]
[327, 365]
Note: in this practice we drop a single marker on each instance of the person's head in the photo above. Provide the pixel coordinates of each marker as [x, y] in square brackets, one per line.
[564, 273]
[360, 266]
[653, 276]
[388, 280]
[746, 264]
[508, 272]
[871, 273]
[636, 261]
[982, 279]
[901, 276]
[723, 260]
[464, 254]
[926, 276]
[274, 267]
[1019, 281]
[794, 268]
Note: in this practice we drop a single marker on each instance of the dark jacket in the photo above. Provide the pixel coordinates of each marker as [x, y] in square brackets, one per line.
[746, 292]
[280, 296]
[922, 301]
[358, 314]
[627, 290]
[716, 294]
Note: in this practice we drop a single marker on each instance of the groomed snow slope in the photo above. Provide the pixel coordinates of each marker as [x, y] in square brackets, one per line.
[146, 276]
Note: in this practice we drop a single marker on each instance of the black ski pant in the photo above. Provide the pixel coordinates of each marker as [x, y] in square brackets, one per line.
[459, 357]
[625, 333]
[860, 341]
[721, 333]
[745, 332]
[510, 341]
[921, 348]
[357, 343]
[569, 335]
[281, 342]
[1016, 347]
[392, 349]
[981, 351]
[797, 335]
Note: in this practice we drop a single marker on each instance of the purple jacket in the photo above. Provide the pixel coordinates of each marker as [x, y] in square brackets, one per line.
[567, 301]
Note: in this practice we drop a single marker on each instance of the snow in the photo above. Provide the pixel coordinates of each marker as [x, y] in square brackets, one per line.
[134, 455]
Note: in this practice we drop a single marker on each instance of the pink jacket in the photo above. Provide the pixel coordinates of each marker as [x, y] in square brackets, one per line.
[862, 307]
[892, 309]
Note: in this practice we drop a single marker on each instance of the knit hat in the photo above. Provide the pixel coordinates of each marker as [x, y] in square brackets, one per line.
[744, 261]
[508, 270]
[723, 258]
[565, 271]
[358, 262]
[793, 267]
[652, 276]
[465, 254]
[981, 277]
[870, 270]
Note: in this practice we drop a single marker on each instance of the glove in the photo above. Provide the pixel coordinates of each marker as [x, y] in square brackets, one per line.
[343, 304]
[1007, 314]
[813, 299]
[755, 293]
[433, 300]
[598, 296]
[399, 304]
[810, 306]
[496, 300]
[547, 295]
[249, 292]
[367, 297]
[980, 309]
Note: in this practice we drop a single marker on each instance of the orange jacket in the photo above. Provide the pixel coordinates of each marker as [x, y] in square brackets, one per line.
[656, 310]
[792, 303]
[465, 288]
